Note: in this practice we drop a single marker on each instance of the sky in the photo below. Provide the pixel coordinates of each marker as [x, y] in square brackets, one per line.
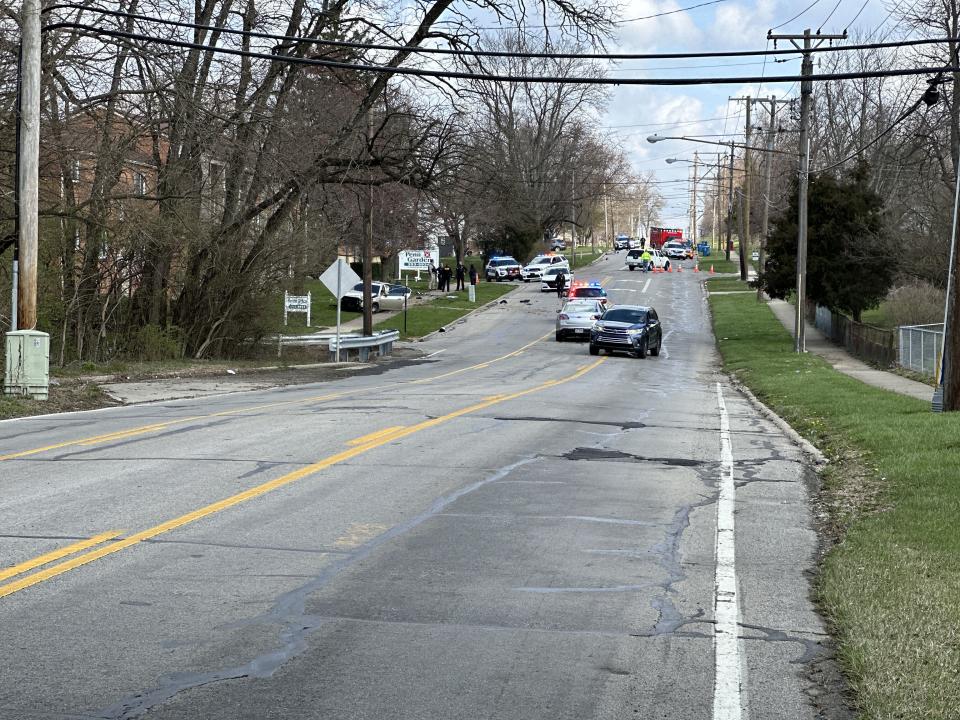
[634, 112]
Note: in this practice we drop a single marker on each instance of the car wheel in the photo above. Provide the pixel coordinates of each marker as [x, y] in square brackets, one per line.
[656, 351]
[666, 266]
[641, 351]
[376, 307]
[559, 337]
[594, 350]
[630, 268]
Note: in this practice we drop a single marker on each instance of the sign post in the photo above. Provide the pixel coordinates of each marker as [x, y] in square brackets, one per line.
[337, 278]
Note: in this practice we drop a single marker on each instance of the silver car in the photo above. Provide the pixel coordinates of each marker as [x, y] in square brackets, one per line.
[576, 317]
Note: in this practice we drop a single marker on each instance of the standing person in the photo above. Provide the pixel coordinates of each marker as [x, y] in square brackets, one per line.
[432, 281]
[447, 274]
[647, 259]
[439, 274]
[473, 275]
[461, 276]
[561, 285]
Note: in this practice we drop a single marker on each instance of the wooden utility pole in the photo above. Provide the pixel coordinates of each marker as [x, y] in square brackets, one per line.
[693, 200]
[28, 166]
[768, 172]
[806, 93]
[745, 205]
[368, 238]
[730, 206]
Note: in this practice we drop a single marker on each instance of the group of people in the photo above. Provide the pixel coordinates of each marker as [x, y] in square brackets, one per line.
[443, 274]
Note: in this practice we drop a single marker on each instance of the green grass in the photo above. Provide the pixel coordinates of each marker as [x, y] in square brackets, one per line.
[426, 318]
[719, 264]
[878, 317]
[891, 586]
[726, 284]
[583, 259]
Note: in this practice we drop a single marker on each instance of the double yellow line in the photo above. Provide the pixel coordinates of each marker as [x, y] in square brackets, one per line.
[358, 447]
[144, 429]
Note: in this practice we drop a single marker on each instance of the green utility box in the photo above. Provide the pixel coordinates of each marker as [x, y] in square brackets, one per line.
[28, 364]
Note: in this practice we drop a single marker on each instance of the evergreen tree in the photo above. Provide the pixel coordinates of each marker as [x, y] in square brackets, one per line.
[849, 268]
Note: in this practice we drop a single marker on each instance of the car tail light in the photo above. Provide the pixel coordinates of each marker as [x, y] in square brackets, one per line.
[564, 316]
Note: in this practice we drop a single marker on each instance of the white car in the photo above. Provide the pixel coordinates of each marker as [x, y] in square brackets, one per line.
[383, 296]
[657, 259]
[549, 279]
[534, 269]
[674, 250]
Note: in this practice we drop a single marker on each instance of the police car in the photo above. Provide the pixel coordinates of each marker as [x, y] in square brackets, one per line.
[534, 269]
[503, 267]
[549, 279]
[588, 291]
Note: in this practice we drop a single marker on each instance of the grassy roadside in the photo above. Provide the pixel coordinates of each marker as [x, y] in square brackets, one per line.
[890, 585]
[424, 319]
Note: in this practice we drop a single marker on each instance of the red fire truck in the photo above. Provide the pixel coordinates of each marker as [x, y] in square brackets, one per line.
[659, 236]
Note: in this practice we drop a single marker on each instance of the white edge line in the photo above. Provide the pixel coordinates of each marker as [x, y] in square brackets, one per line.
[435, 353]
[646, 285]
[727, 703]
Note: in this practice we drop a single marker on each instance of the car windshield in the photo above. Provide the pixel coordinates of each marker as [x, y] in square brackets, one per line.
[503, 261]
[589, 292]
[634, 253]
[358, 287]
[556, 271]
[626, 315]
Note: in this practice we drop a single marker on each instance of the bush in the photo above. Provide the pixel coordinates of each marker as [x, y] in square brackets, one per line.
[153, 342]
[915, 304]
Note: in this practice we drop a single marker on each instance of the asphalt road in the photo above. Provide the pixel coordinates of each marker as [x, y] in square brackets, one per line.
[510, 528]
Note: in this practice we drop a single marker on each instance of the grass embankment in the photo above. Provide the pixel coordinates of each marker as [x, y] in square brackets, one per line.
[424, 319]
[892, 489]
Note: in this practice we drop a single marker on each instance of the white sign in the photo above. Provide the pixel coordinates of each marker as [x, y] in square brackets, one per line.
[419, 260]
[342, 284]
[296, 303]
[339, 278]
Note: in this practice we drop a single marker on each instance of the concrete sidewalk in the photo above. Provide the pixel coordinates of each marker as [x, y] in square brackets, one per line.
[841, 360]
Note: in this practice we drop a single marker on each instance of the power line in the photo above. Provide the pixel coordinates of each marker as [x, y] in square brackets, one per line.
[862, 7]
[829, 16]
[799, 14]
[465, 52]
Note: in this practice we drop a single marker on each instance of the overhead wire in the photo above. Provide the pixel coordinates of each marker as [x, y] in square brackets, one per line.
[829, 16]
[533, 79]
[862, 8]
[462, 51]
[798, 15]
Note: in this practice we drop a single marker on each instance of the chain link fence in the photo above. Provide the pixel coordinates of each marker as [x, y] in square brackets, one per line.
[920, 347]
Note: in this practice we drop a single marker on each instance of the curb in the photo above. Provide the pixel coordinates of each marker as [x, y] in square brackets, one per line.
[805, 445]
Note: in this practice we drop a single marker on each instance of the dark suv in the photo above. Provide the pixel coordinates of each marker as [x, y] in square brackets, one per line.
[633, 329]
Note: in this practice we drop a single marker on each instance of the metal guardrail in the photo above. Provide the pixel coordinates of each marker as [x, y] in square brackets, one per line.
[920, 347]
[380, 343]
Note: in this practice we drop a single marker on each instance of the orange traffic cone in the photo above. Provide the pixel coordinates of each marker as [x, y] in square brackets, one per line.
[696, 268]
[711, 269]
[669, 268]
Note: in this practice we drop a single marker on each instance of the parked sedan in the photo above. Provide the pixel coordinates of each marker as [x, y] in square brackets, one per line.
[576, 317]
[383, 296]
[633, 329]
